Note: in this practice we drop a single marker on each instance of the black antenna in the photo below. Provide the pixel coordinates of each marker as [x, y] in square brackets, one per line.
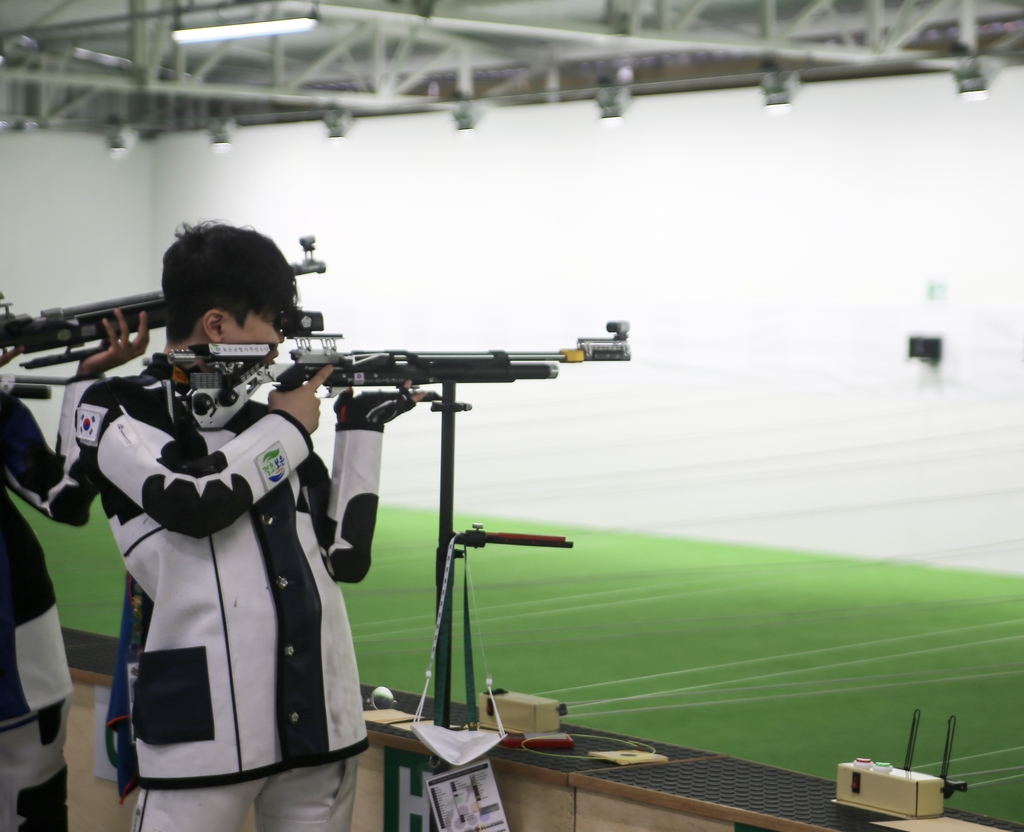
[913, 739]
[950, 786]
[950, 730]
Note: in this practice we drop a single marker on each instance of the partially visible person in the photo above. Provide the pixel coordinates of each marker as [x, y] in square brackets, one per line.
[35, 685]
[246, 692]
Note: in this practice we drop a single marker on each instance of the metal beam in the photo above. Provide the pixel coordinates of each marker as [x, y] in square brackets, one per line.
[874, 11]
[840, 25]
[71, 103]
[411, 80]
[464, 79]
[794, 26]
[591, 35]
[899, 37]
[635, 18]
[768, 15]
[968, 25]
[277, 60]
[48, 96]
[158, 45]
[661, 14]
[192, 89]
[398, 59]
[429, 30]
[379, 55]
[899, 25]
[314, 69]
[138, 40]
[511, 83]
[52, 13]
[1007, 41]
[690, 14]
[214, 58]
[178, 53]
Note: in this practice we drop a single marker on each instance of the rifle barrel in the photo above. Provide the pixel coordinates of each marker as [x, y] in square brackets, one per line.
[107, 307]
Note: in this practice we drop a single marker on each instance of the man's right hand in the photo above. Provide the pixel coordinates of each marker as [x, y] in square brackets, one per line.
[8, 355]
[302, 403]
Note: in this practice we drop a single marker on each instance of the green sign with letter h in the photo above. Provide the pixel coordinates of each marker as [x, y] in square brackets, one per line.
[406, 806]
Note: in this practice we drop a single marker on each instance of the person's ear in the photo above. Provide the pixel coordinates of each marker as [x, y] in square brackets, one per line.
[215, 324]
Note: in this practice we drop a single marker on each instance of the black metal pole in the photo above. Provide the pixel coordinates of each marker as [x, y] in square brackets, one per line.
[446, 523]
[446, 530]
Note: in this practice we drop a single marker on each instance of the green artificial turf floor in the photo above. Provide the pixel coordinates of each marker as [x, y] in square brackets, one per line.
[787, 658]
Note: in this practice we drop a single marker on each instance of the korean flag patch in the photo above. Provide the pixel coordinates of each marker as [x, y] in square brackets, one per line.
[88, 421]
[273, 465]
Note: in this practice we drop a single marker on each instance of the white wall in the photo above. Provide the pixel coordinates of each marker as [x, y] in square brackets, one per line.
[772, 269]
[75, 227]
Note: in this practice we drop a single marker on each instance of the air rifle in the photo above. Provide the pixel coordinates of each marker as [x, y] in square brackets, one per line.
[236, 370]
[66, 328]
[72, 326]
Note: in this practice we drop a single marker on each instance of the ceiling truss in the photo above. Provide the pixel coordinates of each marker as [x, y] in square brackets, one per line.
[81, 64]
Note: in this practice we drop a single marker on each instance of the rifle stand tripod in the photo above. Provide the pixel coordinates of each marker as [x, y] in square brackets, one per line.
[476, 538]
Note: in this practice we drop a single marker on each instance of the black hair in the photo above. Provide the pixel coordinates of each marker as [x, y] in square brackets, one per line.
[213, 265]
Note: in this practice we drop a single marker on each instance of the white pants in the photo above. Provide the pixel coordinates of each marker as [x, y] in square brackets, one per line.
[33, 773]
[316, 799]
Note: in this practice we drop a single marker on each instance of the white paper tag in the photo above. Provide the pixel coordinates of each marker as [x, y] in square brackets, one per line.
[273, 465]
[88, 420]
[238, 350]
[466, 799]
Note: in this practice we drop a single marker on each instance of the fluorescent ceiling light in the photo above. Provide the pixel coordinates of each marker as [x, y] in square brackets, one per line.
[101, 58]
[237, 31]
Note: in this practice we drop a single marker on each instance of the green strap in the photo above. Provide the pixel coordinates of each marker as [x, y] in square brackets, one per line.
[444, 637]
[472, 711]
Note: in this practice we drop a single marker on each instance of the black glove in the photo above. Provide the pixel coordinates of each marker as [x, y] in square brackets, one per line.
[370, 411]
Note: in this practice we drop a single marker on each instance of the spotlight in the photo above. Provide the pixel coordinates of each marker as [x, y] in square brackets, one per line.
[338, 123]
[220, 134]
[467, 115]
[779, 89]
[237, 31]
[120, 140]
[612, 103]
[972, 79]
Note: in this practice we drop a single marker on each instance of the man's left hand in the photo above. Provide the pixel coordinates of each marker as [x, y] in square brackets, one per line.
[376, 409]
[123, 347]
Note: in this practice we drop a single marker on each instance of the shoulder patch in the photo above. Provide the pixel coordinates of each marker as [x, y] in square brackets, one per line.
[273, 465]
[88, 419]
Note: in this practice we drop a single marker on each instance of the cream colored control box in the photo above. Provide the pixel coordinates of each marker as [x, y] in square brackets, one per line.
[904, 793]
[520, 712]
